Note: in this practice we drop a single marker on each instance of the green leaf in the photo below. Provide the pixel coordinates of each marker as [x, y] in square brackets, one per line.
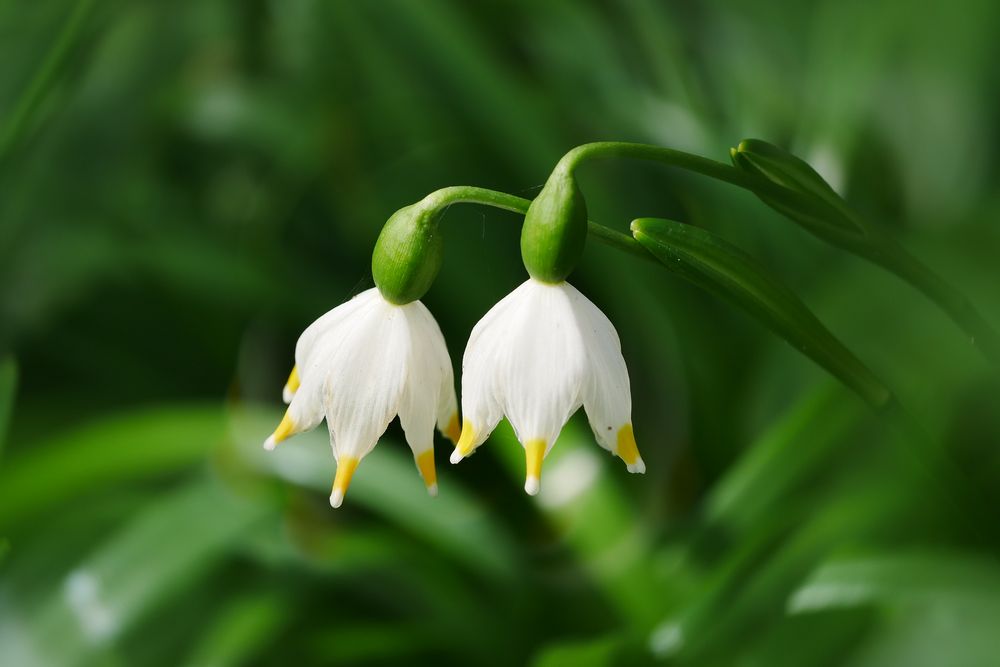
[774, 164]
[943, 607]
[164, 550]
[589, 652]
[768, 473]
[901, 578]
[241, 629]
[135, 445]
[828, 217]
[726, 271]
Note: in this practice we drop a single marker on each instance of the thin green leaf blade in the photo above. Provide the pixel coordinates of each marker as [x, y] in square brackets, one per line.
[726, 271]
[133, 445]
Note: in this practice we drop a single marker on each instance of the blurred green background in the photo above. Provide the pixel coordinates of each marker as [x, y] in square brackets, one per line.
[187, 185]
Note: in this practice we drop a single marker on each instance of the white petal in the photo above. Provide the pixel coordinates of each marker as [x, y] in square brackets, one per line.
[607, 397]
[542, 368]
[481, 409]
[429, 372]
[446, 409]
[526, 359]
[307, 404]
[361, 365]
[327, 324]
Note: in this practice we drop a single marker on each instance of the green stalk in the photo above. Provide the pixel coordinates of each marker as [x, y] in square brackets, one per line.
[468, 194]
[780, 312]
[690, 162]
[838, 226]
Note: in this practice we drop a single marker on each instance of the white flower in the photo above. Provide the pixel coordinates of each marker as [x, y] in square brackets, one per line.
[360, 365]
[536, 357]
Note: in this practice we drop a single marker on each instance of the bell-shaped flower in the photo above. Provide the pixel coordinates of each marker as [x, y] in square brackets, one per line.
[536, 357]
[360, 365]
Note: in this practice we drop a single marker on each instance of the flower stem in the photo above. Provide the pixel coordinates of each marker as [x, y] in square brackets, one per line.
[689, 161]
[468, 194]
[854, 374]
[859, 239]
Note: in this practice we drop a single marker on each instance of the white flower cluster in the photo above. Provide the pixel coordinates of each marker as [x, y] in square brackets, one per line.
[536, 357]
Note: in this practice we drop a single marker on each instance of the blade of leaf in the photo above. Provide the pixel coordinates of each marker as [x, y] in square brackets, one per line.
[167, 548]
[942, 606]
[726, 271]
[246, 624]
[143, 443]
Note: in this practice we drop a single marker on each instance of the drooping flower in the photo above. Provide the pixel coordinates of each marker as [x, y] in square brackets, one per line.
[536, 357]
[360, 365]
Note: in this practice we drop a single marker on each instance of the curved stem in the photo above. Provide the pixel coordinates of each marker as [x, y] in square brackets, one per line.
[468, 194]
[689, 161]
[712, 168]
[867, 242]
[856, 375]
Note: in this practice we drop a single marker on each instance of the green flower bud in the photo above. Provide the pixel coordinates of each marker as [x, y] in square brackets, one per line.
[555, 229]
[820, 207]
[408, 253]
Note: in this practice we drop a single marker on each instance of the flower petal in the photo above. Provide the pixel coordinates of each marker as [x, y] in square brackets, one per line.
[312, 354]
[481, 409]
[364, 372]
[429, 383]
[327, 324]
[607, 397]
[542, 366]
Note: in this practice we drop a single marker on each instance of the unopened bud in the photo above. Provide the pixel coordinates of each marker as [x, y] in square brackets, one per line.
[555, 228]
[408, 253]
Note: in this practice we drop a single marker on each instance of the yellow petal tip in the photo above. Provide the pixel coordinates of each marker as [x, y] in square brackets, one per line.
[628, 451]
[466, 442]
[285, 430]
[425, 464]
[534, 452]
[453, 431]
[346, 466]
[291, 385]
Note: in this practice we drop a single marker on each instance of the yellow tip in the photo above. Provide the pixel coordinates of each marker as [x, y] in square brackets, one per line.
[453, 431]
[345, 470]
[628, 451]
[285, 429]
[293, 382]
[465, 441]
[425, 464]
[534, 451]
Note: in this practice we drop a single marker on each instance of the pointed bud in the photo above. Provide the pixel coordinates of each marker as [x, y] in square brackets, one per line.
[408, 253]
[818, 207]
[555, 228]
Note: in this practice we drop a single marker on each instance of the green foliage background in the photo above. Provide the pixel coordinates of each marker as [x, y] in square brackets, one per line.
[186, 185]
